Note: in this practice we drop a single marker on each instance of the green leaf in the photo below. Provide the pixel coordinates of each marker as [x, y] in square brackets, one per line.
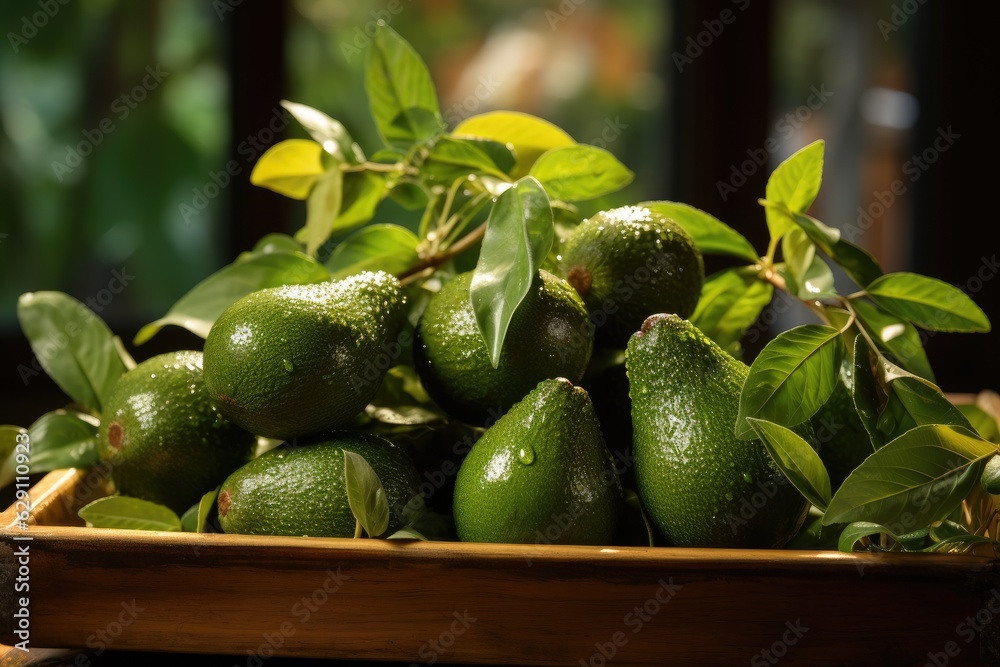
[129, 513]
[581, 172]
[72, 344]
[918, 478]
[855, 532]
[400, 92]
[864, 392]
[808, 276]
[924, 402]
[362, 192]
[62, 439]
[8, 442]
[197, 310]
[529, 135]
[407, 534]
[330, 134]
[500, 154]
[731, 301]
[322, 209]
[929, 303]
[856, 261]
[711, 235]
[389, 248]
[983, 422]
[519, 234]
[289, 168]
[462, 157]
[274, 242]
[797, 459]
[795, 183]
[189, 520]
[365, 494]
[204, 508]
[898, 338]
[791, 378]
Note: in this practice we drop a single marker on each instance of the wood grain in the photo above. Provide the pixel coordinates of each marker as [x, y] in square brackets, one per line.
[545, 605]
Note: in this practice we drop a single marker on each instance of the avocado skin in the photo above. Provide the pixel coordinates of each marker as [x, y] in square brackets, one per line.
[629, 263]
[701, 485]
[171, 445]
[296, 360]
[549, 336]
[298, 488]
[542, 474]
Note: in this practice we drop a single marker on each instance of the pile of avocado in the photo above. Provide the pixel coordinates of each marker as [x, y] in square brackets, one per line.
[601, 380]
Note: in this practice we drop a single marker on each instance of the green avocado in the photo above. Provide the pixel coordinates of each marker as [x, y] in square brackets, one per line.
[549, 336]
[298, 489]
[629, 263]
[163, 438]
[542, 474]
[296, 360]
[701, 485]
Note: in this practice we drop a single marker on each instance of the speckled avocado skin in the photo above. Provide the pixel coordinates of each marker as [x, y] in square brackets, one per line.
[701, 486]
[549, 336]
[629, 263]
[542, 474]
[163, 438]
[296, 360]
[298, 489]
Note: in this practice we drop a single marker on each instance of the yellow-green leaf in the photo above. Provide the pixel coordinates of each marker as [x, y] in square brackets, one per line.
[529, 135]
[289, 168]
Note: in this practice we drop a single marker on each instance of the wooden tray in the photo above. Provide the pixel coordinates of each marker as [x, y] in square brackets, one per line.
[442, 602]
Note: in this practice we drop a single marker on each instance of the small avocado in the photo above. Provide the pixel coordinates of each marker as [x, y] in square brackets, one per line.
[701, 485]
[296, 360]
[163, 438]
[298, 489]
[841, 439]
[542, 474]
[549, 336]
[629, 263]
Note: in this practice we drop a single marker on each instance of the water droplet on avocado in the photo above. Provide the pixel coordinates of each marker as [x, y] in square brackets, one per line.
[289, 366]
[747, 478]
[526, 455]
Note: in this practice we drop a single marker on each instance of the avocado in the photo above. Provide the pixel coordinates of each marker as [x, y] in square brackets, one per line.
[549, 336]
[163, 438]
[541, 474]
[298, 488]
[628, 263]
[296, 360]
[701, 485]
